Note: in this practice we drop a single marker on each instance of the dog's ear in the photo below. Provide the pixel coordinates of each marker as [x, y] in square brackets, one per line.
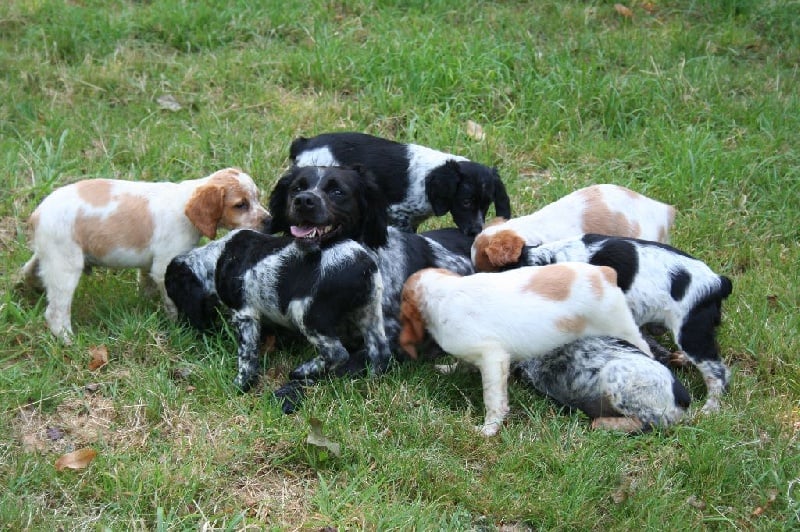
[504, 248]
[413, 328]
[373, 205]
[204, 208]
[440, 186]
[298, 145]
[278, 202]
[502, 204]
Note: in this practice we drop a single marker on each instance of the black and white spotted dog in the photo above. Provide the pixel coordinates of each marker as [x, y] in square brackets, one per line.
[611, 381]
[663, 286]
[418, 181]
[322, 281]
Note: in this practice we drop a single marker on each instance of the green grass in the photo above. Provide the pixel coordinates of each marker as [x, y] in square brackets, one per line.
[693, 103]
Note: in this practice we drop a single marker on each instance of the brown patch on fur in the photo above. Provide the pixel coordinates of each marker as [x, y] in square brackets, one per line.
[497, 220]
[599, 218]
[95, 192]
[129, 226]
[574, 324]
[497, 250]
[552, 282]
[609, 273]
[33, 221]
[222, 201]
[663, 232]
[412, 329]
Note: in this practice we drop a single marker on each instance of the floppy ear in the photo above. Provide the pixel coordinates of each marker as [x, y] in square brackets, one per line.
[505, 247]
[502, 205]
[441, 185]
[278, 202]
[413, 330]
[373, 205]
[204, 208]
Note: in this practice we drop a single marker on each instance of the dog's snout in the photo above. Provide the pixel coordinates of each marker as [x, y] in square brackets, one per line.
[305, 201]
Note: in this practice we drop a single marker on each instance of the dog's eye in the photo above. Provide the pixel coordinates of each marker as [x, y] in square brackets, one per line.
[242, 205]
[468, 202]
[334, 190]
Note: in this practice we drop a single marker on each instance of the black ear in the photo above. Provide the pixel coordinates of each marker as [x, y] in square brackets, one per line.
[440, 186]
[278, 202]
[373, 205]
[298, 145]
[502, 205]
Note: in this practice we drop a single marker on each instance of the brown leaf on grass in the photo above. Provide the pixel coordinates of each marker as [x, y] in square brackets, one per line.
[650, 7]
[99, 355]
[168, 102]
[475, 130]
[771, 496]
[318, 438]
[79, 459]
[623, 10]
[695, 502]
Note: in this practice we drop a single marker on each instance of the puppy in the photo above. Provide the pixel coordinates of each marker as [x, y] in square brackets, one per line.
[322, 281]
[130, 224]
[418, 182]
[492, 320]
[605, 209]
[663, 286]
[611, 381]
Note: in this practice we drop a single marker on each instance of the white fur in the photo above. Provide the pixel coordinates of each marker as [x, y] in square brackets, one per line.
[60, 252]
[494, 319]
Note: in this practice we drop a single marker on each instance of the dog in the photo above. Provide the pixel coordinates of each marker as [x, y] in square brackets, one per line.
[130, 224]
[418, 181]
[604, 209]
[618, 386]
[321, 280]
[494, 319]
[664, 286]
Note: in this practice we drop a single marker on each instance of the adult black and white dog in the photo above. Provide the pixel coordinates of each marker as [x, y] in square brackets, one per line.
[663, 286]
[613, 382]
[417, 181]
[322, 281]
[336, 279]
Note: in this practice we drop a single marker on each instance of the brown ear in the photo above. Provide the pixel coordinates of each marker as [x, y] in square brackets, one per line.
[505, 247]
[204, 208]
[413, 329]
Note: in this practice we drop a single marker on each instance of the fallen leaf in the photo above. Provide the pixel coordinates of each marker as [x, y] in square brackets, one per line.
[475, 130]
[92, 387]
[772, 299]
[99, 355]
[168, 102]
[623, 10]
[695, 502]
[318, 438]
[79, 459]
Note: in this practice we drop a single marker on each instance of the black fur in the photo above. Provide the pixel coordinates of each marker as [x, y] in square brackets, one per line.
[450, 183]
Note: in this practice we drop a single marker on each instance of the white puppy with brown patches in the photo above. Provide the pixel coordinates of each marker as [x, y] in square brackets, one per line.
[130, 224]
[603, 209]
[493, 320]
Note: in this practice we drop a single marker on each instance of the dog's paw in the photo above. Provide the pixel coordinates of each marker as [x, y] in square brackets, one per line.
[312, 369]
[290, 396]
[244, 382]
[711, 406]
[489, 429]
[446, 369]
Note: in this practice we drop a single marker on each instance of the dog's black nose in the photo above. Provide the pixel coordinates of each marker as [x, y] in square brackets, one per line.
[305, 201]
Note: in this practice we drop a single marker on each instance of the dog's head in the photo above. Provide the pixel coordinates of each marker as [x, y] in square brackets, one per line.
[466, 189]
[228, 198]
[325, 204]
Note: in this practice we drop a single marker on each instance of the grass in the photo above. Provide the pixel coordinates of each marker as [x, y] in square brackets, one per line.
[693, 103]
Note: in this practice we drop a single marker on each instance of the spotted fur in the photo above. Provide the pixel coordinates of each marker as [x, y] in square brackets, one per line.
[663, 286]
[494, 319]
[611, 381]
[130, 224]
[418, 182]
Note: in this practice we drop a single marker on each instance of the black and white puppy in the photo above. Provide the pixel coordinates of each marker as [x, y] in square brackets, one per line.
[323, 281]
[611, 381]
[663, 286]
[418, 181]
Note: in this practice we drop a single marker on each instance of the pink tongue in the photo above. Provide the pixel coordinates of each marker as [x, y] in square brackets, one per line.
[300, 232]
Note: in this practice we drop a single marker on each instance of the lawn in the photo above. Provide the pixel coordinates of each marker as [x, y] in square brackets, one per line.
[692, 103]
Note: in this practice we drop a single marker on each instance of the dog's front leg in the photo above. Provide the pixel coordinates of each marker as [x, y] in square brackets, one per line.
[494, 368]
[332, 354]
[248, 336]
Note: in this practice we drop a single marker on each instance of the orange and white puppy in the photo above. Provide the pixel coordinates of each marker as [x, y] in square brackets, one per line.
[603, 209]
[493, 319]
[130, 224]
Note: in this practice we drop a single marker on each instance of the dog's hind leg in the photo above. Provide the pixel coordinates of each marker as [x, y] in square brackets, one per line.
[248, 333]
[494, 365]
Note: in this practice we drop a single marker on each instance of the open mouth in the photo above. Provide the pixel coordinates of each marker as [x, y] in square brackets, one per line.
[312, 232]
